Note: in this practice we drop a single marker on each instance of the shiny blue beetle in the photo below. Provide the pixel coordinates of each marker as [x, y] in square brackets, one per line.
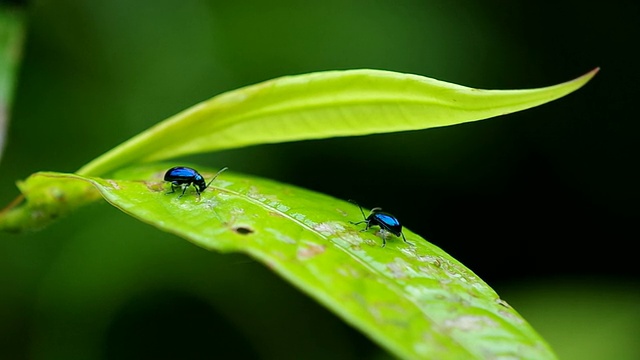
[384, 220]
[182, 176]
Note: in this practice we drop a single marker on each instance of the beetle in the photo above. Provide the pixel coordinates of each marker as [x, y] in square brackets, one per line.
[182, 176]
[384, 220]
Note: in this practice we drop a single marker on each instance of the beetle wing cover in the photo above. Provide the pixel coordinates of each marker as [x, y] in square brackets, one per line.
[180, 173]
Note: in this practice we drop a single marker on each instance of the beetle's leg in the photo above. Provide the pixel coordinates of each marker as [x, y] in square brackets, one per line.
[405, 239]
[172, 189]
[197, 191]
[184, 188]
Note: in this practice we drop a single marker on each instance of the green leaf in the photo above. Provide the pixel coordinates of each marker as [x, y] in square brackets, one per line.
[310, 106]
[47, 199]
[321, 105]
[415, 301]
[12, 29]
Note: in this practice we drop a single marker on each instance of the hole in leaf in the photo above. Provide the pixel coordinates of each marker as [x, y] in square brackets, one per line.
[243, 230]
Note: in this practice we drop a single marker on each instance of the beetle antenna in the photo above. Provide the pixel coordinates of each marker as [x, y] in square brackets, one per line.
[216, 175]
[353, 201]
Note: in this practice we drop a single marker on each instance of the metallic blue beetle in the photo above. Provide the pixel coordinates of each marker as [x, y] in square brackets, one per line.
[384, 220]
[182, 176]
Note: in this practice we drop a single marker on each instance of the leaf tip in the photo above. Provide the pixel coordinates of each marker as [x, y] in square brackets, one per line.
[586, 77]
[577, 83]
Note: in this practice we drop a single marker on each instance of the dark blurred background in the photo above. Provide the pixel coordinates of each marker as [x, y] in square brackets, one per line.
[541, 204]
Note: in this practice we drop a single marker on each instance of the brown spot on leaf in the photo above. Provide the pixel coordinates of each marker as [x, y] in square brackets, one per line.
[154, 186]
[310, 251]
[277, 214]
[503, 303]
[113, 184]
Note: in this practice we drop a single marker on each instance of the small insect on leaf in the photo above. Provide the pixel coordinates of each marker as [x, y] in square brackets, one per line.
[384, 220]
[183, 177]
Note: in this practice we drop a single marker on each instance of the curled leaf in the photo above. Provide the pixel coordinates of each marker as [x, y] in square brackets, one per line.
[321, 105]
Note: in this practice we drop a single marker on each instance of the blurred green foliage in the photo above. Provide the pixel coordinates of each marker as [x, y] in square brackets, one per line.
[12, 29]
[547, 193]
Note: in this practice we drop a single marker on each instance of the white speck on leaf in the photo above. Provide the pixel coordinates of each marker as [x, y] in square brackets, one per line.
[469, 323]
